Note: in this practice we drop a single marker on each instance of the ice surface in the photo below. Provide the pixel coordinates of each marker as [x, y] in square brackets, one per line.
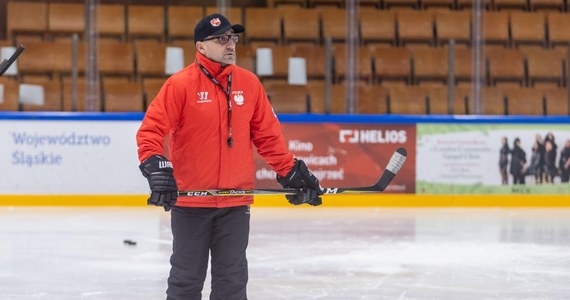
[296, 253]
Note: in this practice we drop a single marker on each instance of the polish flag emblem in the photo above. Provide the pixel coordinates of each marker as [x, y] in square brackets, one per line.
[215, 22]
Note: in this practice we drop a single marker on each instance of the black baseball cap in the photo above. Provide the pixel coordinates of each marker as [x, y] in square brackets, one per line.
[214, 24]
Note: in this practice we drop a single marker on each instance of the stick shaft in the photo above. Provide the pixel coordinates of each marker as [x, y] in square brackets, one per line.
[394, 165]
[8, 62]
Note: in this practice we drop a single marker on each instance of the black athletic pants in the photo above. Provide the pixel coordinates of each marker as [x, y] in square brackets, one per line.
[196, 231]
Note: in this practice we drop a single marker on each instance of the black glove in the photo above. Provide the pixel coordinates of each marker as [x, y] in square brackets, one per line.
[307, 184]
[160, 174]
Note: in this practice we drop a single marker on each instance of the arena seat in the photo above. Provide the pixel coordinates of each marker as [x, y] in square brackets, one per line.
[301, 26]
[111, 21]
[505, 65]
[525, 101]
[407, 100]
[150, 58]
[558, 24]
[528, 28]
[545, 65]
[378, 27]
[334, 24]
[181, 21]
[461, 100]
[116, 59]
[430, 64]
[10, 95]
[245, 57]
[392, 64]
[493, 101]
[364, 63]
[556, 101]
[463, 66]
[61, 56]
[437, 100]
[65, 19]
[372, 99]
[317, 98]
[151, 87]
[38, 59]
[263, 24]
[454, 25]
[287, 98]
[67, 85]
[145, 21]
[496, 28]
[121, 95]
[26, 18]
[415, 27]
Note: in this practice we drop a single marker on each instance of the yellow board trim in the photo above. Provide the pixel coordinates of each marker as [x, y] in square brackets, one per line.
[355, 200]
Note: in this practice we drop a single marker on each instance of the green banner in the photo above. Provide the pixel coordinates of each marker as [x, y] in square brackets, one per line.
[493, 159]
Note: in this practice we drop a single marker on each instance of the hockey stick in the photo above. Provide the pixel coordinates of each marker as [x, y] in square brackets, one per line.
[394, 165]
[6, 63]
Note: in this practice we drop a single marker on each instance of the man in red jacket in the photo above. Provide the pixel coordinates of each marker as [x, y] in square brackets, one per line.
[214, 113]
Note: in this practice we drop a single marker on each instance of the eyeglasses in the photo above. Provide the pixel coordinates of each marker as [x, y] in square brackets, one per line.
[224, 39]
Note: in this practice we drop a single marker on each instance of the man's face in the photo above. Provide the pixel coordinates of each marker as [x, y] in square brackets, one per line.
[220, 48]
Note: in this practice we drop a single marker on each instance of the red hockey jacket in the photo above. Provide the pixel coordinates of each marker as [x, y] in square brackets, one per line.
[193, 111]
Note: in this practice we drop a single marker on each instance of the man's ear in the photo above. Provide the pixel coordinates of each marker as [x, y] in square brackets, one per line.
[200, 47]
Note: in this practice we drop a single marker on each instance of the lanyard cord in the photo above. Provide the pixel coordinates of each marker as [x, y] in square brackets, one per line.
[226, 91]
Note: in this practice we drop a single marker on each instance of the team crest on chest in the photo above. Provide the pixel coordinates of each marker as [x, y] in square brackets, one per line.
[238, 97]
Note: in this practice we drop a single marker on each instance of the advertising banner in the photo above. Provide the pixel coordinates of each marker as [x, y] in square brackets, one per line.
[69, 157]
[493, 159]
[346, 155]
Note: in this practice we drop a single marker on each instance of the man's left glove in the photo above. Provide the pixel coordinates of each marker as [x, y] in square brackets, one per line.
[301, 178]
[160, 174]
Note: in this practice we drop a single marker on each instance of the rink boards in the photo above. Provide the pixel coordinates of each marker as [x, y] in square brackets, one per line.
[65, 158]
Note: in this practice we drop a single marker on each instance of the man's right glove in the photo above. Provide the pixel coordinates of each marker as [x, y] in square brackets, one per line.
[160, 174]
[301, 178]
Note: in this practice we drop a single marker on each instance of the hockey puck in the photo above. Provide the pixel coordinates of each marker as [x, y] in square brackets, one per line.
[129, 242]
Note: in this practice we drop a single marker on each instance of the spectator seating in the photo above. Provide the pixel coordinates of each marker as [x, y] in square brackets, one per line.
[402, 53]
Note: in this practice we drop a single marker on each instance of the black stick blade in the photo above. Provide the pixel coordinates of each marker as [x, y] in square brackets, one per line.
[394, 165]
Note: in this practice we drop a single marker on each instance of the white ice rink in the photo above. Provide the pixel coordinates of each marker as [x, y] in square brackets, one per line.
[296, 253]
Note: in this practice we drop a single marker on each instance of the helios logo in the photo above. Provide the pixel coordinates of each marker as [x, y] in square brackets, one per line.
[371, 136]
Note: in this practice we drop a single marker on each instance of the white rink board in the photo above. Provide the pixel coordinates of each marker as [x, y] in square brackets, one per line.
[69, 157]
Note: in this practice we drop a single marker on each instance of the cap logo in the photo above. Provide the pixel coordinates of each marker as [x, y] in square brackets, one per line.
[215, 22]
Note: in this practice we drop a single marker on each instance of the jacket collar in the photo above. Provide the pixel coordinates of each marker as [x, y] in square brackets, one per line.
[215, 68]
